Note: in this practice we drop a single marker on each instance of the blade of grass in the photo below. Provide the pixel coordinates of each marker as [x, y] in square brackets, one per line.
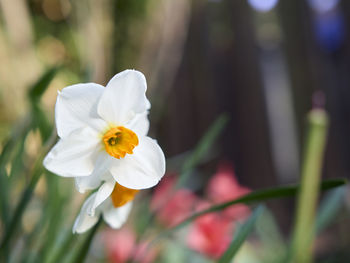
[6, 180]
[303, 233]
[41, 122]
[36, 173]
[240, 236]
[256, 196]
[19, 132]
[193, 158]
[44, 242]
[329, 208]
[261, 195]
[202, 148]
[84, 249]
[35, 94]
[19, 135]
[55, 212]
[4, 206]
[17, 164]
[273, 245]
[56, 255]
[15, 219]
[38, 89]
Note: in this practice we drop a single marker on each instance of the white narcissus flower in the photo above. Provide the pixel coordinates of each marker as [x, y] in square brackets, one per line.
[104, 130]
[103, 137]
[112, 201]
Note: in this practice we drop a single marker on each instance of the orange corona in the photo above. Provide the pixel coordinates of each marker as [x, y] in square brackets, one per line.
[122, 195]
[119, 141]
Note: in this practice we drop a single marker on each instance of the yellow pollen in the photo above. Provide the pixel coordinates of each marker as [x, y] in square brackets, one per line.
[119, 141]
[122, 195]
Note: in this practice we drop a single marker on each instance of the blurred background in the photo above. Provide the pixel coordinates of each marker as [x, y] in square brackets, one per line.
[265, 63]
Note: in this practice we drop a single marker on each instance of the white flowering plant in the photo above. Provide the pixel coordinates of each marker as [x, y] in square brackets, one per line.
[101, 140]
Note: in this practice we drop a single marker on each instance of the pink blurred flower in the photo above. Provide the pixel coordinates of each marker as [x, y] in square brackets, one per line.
[163, 192]
[145, 254]
[119, 244]
[121, 247]
[210, 235]
[223, 186]
[172, 207]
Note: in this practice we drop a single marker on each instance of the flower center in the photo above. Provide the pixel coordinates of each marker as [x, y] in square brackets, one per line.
[119, 141]
[122, 195]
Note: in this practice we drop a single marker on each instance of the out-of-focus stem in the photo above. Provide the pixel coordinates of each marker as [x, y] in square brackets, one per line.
[309, 189]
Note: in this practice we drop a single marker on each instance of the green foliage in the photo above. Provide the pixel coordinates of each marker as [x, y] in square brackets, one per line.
[240, 236]
[38, 89]
[202, 148]
[9, 155]
[262, 195]
[51, 240]
[330, 208]
[84, 249]
[308, 194]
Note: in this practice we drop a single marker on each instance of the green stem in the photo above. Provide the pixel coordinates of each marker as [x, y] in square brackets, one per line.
[18, 134]
[253, 197]
[83, 251]
[36, 172]
[309, 190]
[26, 196]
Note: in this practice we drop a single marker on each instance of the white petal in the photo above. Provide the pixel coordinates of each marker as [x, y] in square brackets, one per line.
[76, 108]
[116, 217]
[100, 173]
[123, 97]
[84, 183]
[142, 169]
[74, 155]
[84, 221]
[139, 124]
[102, 194]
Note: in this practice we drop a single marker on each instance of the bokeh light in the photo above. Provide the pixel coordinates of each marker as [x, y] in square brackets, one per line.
[263, 5]
[323, 6]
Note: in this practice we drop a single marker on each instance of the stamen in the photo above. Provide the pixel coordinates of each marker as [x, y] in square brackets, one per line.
[122, 195]
[119, 141]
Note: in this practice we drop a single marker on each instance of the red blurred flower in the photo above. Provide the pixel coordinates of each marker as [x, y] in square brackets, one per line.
[121, 247]
[172, 207]
[163, 192]
[119, 244]
[210, 235]
[223, 186]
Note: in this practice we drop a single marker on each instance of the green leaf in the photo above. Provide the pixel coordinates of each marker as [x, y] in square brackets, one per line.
[262, 195]
[273, 245]
[329, 208]
[202, 148]
[55, 212]
[241, 235]
[84, 249]
[17, 136]
[4, 206]
[38, 89]
[18, 132]
[63, 245]
[41, 122]
[17, 165]
[256, 196]
[24, 200]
